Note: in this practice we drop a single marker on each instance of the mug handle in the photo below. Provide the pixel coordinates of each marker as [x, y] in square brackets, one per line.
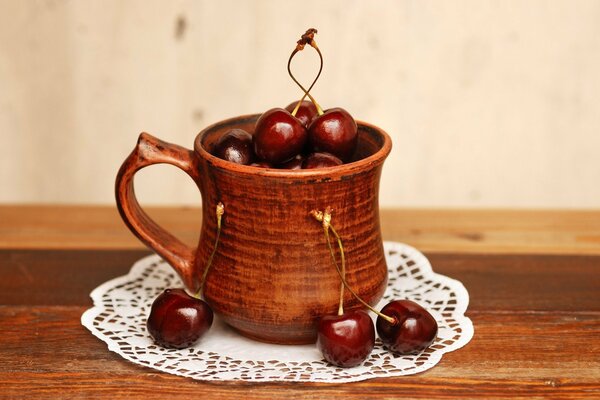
[149, 151]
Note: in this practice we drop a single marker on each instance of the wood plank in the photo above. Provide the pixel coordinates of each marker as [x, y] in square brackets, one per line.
[495, 282]
[524, 282]
[495, 231]
[532, 276]
[59, 276]
[466, 231]
[47, 352]
[86, 227]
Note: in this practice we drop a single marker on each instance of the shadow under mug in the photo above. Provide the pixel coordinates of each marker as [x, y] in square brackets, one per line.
[272, 276]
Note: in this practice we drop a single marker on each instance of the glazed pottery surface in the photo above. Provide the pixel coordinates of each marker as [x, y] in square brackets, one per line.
[272, 276]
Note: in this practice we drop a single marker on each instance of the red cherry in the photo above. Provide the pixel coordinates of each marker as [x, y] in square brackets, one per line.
[278, 136]
[334, 132]
[415, 328]
[177, 320]
[261, 164]
[306, 112]
[346, 340]
[235, 146]
[294, 164]
[321, 160]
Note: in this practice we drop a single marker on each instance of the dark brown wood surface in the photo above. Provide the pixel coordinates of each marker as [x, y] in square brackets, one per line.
[536, 313]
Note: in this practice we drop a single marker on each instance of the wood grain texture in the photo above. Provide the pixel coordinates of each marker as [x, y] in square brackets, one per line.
[500, 283]
[514, 352]
[488, 231]
[536, 340]
[47, 352]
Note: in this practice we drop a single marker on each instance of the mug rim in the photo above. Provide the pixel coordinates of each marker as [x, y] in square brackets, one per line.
[363, 164]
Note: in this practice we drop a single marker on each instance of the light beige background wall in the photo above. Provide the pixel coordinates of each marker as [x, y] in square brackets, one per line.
[489, 103]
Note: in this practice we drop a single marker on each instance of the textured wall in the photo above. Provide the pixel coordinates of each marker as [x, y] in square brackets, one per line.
[488, 103]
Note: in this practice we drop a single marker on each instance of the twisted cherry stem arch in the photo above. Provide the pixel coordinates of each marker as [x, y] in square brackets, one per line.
[220, 210]
[307, 38]
[325, 219]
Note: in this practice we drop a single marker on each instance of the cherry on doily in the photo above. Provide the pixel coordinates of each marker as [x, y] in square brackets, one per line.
[346, 340]
[414, 331]
[177, 320]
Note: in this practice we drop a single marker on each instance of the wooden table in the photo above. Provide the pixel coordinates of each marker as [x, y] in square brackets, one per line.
[533, 277]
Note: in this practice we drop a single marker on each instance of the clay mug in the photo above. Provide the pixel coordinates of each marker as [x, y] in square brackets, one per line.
[272, 276]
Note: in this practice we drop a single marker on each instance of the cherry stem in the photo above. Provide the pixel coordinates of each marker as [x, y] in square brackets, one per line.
[326, 227]
[220, 210]
[301, 43]
[325, 218]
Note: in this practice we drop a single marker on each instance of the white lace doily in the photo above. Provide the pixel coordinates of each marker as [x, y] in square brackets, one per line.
[121, 306]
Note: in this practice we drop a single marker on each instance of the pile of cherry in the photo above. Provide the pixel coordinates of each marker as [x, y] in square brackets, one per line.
[301, 136]
[297, 137]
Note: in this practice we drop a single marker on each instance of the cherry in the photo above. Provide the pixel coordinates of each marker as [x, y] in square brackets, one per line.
[413, 331]
[306, 112]
[278, 136]
[294, 164]
[346, 340]
[321, 160]
[177, 320]
[261, 164]
[235, 146]
[335, 132]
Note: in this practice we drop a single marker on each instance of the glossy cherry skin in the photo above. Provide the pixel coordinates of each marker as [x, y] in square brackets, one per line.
[235, 146]
[321, 160]
[414, 331]
[346, 340]
[177, 320]
[278, 136]
[306, 112]
[294, 164]
[334, 132]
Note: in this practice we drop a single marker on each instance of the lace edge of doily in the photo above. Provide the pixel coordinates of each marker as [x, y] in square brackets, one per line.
[461, 308]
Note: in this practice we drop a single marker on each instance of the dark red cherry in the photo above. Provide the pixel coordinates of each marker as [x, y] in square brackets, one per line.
[414, 330]
[235, 146]
[294, 164]
[306, 112]
[177, 320]
[321, 160]
[346, 340]
[278, 136]
[334, 132]
[261, 164]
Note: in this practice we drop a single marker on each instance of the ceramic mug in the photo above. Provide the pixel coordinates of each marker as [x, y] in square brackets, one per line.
[272, 276]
